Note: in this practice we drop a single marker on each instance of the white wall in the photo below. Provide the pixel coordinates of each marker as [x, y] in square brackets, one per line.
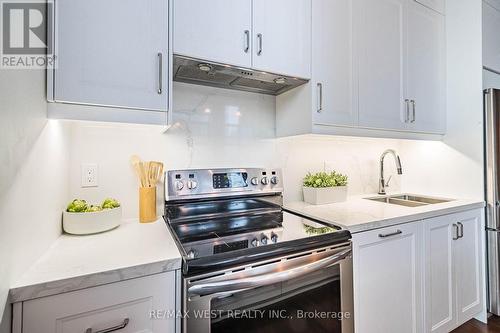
[218, 128]
[34, 169]
[454, 167]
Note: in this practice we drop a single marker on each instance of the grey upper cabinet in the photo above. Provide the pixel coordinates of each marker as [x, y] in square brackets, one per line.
[491, 41]
[111, 53]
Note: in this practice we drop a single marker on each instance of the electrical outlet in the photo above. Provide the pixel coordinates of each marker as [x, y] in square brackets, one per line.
[90, 175]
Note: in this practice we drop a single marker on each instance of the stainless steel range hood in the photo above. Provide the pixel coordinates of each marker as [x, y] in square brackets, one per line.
[190, 70]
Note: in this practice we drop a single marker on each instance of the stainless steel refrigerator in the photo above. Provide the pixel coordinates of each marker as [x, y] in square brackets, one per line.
[492, 167]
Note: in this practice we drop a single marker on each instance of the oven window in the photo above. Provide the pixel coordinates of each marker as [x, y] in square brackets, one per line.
[308, 304]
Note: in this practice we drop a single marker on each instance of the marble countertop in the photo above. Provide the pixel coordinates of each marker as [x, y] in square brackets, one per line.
[75, 262]
[358, 214]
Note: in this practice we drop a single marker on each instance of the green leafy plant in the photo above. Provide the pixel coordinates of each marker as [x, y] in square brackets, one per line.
[325, 179]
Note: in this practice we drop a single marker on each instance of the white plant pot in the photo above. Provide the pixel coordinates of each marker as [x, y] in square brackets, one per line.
[92, 222]
[325, 195]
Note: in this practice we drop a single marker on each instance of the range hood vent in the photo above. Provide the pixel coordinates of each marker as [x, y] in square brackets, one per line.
[194, 71]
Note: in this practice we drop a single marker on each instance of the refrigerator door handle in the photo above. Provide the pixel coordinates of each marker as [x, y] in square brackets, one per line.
[492, 139]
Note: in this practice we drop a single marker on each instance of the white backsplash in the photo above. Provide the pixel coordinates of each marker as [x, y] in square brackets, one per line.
[218, 128]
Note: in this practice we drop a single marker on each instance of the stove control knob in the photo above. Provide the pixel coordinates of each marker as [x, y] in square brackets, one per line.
[191, 254]
[254, 181]
[255, 242]
[274, 180]
[263, 240]
[264, 181]
[192, 184]
[274, 238]
[179, 185]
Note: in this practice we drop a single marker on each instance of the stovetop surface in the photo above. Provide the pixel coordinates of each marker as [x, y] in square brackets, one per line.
[226, 217]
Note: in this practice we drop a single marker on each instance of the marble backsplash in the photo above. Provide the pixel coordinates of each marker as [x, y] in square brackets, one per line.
[219, 128]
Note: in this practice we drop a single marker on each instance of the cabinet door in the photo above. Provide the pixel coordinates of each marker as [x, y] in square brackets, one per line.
[491, 38]
[112, 53]
[332, 65]
[468, 266]
[439, 280]
[382, 51]
[437, 5]
[219, 30]
[282, 36]
[139, 305]
[388, 279]
[426, 77]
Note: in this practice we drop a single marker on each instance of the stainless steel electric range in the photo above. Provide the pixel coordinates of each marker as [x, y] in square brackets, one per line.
[248, 264]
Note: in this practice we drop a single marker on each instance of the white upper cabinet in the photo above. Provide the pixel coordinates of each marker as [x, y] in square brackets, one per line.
[332, 83]
[219, 30]
[272, 36]
[491, 37]
[381, 64]
[426, 89]
[378, 68]
[282, 36]
[112, 53]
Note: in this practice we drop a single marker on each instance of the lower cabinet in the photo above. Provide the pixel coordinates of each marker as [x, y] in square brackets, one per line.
[453, 276]
[388, 279]
[424, 276]
[145, 304]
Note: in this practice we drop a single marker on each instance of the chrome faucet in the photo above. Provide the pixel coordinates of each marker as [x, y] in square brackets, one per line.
[382, 184]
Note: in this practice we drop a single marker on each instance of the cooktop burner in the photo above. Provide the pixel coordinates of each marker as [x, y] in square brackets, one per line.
[227, 217]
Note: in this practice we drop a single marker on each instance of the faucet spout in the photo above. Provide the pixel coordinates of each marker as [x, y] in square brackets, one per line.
[382, 184]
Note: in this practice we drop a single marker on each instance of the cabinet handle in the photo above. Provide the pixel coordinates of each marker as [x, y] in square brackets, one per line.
[259, 38]
[407, 115]
[160, 72]
[455, 229]
[319, 109]
[395, 233]
[110, 329]
[461, 230]
[413, 110]
[247, 41]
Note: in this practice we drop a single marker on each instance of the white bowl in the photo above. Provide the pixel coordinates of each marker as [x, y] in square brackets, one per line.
[92, 222]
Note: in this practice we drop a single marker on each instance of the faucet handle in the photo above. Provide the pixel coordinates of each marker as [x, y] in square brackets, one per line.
[388, 181]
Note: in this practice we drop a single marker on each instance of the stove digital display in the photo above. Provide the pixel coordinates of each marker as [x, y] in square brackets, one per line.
[230, 180]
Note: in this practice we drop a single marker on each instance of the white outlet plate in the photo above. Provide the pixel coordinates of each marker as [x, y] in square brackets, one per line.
[90, 175]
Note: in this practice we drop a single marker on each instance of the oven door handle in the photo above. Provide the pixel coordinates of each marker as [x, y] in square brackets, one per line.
[266, 279]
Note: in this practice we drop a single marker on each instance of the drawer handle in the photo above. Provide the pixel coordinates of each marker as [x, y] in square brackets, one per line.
[110, 329]
[457, 233]
[461, 230]
[395, 233]
[160, 73]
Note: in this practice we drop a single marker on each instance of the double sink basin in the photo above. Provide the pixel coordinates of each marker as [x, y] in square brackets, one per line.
[409, 200]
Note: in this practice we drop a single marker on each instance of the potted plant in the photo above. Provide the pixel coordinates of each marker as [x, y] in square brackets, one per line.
[323, 188]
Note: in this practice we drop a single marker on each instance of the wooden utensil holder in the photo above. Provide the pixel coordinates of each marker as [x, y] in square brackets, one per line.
[147, 204]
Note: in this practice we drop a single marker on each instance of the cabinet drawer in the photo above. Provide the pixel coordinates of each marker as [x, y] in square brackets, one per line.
[125, 306]
[437, 5]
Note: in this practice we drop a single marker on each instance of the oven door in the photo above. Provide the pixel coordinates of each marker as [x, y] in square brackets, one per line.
[306, 292]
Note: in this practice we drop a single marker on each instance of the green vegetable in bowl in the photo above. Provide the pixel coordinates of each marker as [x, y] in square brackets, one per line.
[93, 209]
[324, 179]
[110, 203]
[77, 206]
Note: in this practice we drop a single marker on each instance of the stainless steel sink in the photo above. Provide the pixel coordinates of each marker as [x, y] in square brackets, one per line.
[409, 200]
